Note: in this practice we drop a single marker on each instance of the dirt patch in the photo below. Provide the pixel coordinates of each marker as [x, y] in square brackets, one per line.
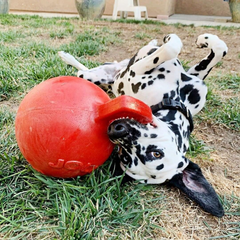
[10, 105]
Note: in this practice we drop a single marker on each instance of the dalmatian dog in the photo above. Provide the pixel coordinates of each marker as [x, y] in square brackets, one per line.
[155, 153]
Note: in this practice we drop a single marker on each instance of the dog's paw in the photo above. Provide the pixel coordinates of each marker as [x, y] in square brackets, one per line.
[172, 37]
[154, 43]
[211, 41]
[167, 38]
[174, 41]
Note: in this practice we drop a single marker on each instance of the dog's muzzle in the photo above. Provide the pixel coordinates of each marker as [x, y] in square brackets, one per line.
[117, 129]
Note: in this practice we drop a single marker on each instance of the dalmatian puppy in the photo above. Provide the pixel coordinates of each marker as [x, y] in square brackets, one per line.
[155, 153]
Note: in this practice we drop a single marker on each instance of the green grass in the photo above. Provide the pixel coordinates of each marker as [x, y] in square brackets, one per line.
[222, 110]
[227, 81]
[197, 147]
[96, 206]
[141, 36]
[40, 207]
[233, 228]
[83, 208]
[24, 65]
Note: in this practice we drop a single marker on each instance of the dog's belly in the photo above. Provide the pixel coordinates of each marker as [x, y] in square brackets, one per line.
[153, 85]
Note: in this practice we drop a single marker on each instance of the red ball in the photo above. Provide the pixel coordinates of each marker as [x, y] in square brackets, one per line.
[56, 129]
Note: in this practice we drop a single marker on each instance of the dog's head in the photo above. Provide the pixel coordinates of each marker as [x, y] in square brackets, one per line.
[150, 153]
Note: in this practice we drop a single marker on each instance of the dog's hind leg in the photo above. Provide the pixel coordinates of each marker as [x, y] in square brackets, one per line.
[149, 58]
[218, 51]
[70, 60]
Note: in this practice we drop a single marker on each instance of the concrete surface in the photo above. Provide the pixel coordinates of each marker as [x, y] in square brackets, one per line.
[196, 20]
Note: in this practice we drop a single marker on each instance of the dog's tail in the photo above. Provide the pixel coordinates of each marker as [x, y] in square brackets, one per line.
[70, 60]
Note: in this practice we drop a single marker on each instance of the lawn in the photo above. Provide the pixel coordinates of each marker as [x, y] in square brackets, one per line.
[96, 206]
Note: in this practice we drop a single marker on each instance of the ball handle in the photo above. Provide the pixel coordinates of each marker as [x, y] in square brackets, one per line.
[122, 107]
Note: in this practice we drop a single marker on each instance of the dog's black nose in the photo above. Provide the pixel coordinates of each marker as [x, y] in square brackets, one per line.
[117, 130]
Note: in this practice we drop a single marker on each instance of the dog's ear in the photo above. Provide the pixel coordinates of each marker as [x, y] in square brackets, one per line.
[196, 187]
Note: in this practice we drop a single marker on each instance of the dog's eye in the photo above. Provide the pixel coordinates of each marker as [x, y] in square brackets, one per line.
[157, 154]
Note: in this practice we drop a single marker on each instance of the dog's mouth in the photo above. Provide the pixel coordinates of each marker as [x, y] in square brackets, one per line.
[119, 128]
[125, 128]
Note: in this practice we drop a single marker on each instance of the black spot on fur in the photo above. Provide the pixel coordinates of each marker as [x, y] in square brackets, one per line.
[185, 91]
[175, 64]
[185, 78]
[97, 83]
[151, 51]
[143, 77]
[151, 148]
[224, 53]
[136, 134]
[132, 73]
[160, 167]
[161, 76]
[120, 87]
[150, 82]
[135, 161]
[149, 72]
[194, 74]
[153, 176]
[143, 86]
[180, 165]
[145, 135]
[131, 62]
[194, 96]
[135, 87]
[205, 62]
[161, 69]
[153, 135]
[155, 60]
[139, 155]
[168, 71]
[81, 76]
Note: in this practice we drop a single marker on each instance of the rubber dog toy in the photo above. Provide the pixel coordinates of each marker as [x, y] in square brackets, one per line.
[61, 125]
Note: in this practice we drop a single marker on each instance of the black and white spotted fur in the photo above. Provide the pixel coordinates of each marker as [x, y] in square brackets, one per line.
[155, 153]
